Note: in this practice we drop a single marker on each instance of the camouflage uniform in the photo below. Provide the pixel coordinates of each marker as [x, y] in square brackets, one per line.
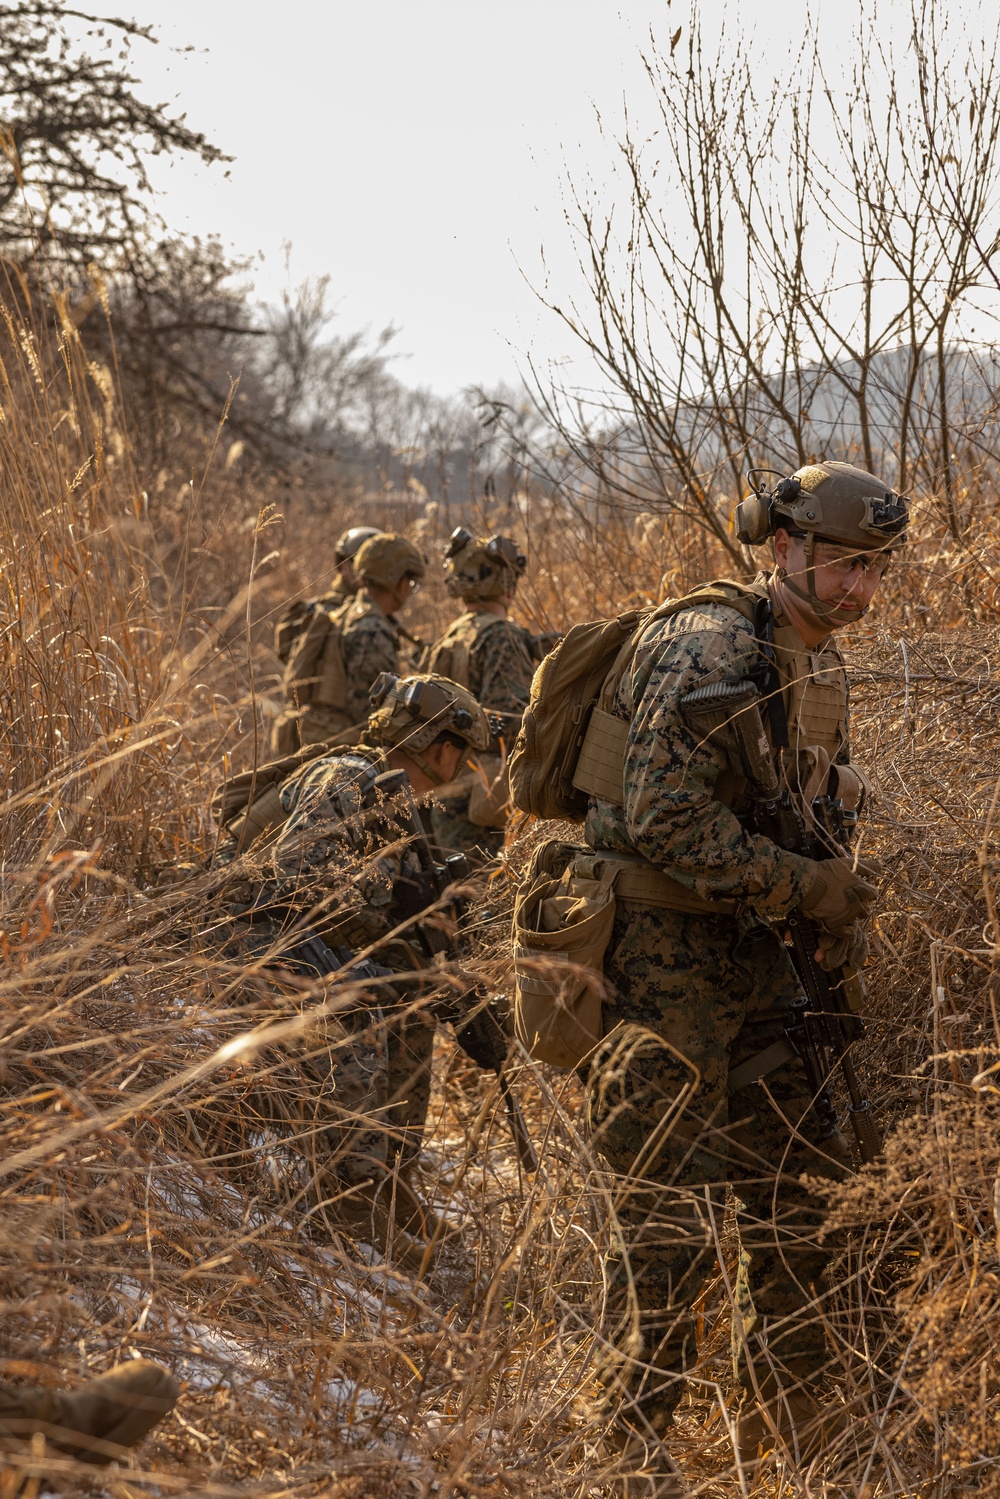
[333, 860]
[371, 646]
[335, 662]
[716, 988]
[493, 657]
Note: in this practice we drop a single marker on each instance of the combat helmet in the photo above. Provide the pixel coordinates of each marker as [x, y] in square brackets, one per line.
[409, 713]
[824, 501]
[386, 558]
[349, 542]
[478, 568]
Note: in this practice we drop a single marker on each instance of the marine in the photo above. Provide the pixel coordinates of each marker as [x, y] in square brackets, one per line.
[700, 985]
[331, 851]
[344, 586]
[495, 659]
[343, 650]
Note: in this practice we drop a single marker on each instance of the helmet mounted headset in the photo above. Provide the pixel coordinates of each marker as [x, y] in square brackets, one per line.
[829, 502]
[428, 707]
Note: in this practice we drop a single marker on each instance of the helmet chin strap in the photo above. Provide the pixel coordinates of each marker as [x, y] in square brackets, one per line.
[826, 614]
[421, 761]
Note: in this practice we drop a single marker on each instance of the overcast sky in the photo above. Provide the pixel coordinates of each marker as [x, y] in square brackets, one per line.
[416, 150]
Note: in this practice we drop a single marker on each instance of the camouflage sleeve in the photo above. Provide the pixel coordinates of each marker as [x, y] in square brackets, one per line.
[671, 815]
[501, 669]
[369, 648]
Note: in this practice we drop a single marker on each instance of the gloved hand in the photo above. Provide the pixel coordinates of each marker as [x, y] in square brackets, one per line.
[838, 895]
[850, 948]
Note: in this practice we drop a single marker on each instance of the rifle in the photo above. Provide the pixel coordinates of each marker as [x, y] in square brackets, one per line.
[476, 1028]
[826, 1019]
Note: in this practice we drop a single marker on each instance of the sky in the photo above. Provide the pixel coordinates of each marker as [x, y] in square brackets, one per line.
[416, 151]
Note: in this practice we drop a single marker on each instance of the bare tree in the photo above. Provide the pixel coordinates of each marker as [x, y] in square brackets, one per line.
[794, 267]
[77, 137]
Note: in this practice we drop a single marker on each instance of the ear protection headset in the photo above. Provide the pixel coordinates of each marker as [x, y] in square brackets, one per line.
[755, 514]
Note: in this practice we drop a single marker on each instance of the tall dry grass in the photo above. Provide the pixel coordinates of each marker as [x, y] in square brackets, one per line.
[157, 1182]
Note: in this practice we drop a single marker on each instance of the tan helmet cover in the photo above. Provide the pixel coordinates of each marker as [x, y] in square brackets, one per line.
[349, 542]
[484, 567]
[844, 503]
[410, 712]
[386, 558]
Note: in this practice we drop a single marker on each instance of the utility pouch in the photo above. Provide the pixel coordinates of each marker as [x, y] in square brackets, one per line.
[489, 799]
[728, 714]
[562, 927]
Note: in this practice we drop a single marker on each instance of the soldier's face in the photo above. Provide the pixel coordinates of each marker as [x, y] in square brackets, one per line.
[446, 758]
[844, 578]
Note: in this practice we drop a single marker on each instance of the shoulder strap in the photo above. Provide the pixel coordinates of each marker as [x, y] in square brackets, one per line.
[764, 673]
[599, 770]
[732, 592]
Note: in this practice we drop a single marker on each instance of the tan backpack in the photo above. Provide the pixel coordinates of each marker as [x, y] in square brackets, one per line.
[316, 672]
[570, 745]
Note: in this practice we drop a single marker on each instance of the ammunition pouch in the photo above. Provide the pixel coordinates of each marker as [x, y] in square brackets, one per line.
[563, 918]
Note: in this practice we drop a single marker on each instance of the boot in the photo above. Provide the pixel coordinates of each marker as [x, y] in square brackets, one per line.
[390, 1217]
[99, 1422]
[798, 1423]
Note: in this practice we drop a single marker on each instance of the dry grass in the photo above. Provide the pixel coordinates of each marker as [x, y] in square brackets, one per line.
[153, 1196]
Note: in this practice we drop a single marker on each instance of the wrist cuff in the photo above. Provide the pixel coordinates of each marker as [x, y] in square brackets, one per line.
[794, 877]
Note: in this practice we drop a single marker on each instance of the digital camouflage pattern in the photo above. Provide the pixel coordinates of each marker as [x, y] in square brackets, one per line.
[338, 861]
[499, 672]
[718, 990]
[671, 813]
[371, 646]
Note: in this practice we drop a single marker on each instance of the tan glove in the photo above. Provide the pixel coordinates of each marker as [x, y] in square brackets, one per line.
[850, 948]
[838, 895]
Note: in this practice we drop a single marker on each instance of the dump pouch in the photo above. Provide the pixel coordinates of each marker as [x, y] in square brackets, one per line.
[562, 927]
